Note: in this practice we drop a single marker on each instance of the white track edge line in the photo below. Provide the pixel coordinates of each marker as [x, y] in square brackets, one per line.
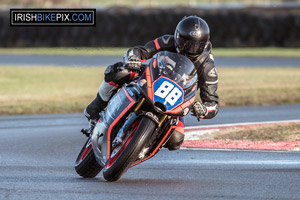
[195, 128]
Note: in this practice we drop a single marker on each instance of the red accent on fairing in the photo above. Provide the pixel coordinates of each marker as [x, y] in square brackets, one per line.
[156, 44]
[143, 60]
[133, 74]
[180, 127]
[157, 148]
[154, 63]
[113, 159]
[113, 84]
[194, 87]
[149, 84]
[116, 120]
[182, 106]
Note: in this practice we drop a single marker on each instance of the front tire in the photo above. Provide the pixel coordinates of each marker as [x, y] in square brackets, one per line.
[86, 164]
[117, 165]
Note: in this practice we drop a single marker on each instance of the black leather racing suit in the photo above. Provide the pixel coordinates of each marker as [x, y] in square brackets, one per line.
[204, 63]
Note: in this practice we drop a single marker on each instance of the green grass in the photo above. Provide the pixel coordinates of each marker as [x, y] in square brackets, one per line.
[259, 86]
[219, 52]
[33, 90]
[47, 89]
[273, 132]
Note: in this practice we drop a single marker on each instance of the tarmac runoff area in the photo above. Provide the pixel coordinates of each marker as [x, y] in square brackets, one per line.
[192, 141]
[96, 61]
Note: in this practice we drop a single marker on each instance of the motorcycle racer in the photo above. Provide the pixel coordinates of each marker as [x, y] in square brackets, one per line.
[191, 38]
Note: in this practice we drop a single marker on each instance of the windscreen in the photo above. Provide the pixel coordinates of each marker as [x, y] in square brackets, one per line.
[175, 67]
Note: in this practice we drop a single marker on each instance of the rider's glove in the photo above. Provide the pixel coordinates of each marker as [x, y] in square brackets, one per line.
[199, 110]
[131, 61]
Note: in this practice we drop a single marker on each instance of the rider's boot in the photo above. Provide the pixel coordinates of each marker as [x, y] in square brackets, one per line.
[93, 109]
[113, 76]
[106, 91]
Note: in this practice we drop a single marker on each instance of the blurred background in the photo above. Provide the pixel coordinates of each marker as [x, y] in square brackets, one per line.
[255, 46]
[233, 23]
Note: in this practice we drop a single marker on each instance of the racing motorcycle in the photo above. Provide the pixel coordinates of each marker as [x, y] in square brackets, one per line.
[139, 118]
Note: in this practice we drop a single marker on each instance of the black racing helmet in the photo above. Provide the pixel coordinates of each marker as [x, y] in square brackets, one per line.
[191, 35]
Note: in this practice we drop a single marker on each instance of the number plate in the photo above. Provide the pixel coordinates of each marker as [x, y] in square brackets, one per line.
[167, 92]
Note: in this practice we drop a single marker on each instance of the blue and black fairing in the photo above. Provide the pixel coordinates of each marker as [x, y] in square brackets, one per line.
[173, 80]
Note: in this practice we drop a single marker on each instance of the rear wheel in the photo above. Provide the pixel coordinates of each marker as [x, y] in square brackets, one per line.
[121, 159]
[86, 164]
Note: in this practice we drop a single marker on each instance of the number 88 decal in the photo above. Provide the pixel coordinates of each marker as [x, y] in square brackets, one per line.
[167, 92]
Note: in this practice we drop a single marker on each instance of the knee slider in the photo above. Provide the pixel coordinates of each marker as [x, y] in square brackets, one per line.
[175, 141]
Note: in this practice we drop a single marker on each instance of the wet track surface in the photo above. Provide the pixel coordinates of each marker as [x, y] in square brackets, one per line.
[38, 153]
[46, 60]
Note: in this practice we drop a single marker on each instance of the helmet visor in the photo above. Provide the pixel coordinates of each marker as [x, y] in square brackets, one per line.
[190, 47]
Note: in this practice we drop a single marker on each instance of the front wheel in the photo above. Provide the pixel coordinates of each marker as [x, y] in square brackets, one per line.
[120, 161]
[86, 164]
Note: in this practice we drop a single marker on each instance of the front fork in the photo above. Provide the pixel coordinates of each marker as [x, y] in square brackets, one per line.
[162, 119]
[122, 132]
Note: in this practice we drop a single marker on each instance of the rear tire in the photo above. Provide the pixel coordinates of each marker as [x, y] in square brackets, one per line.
[113, 171]
[86, 164]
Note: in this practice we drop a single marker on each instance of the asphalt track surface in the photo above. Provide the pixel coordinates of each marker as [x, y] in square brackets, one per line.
[38, 152]
[37, 163]
[92, 61]
[227, 115]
